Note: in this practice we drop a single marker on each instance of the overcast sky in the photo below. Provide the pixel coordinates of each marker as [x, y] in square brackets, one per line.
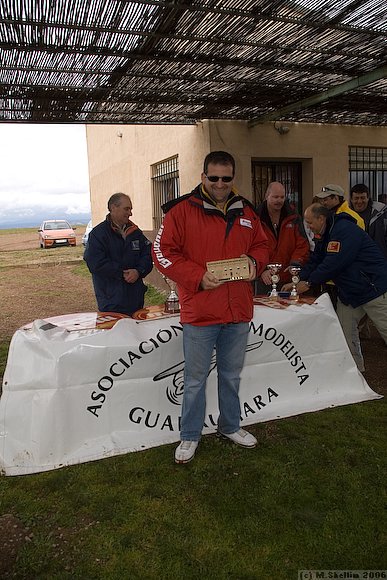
[43, 174]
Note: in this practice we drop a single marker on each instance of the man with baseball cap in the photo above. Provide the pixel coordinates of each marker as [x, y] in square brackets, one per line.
[331, 196]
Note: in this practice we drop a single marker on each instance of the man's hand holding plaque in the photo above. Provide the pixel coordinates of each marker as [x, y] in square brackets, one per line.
[210, 281]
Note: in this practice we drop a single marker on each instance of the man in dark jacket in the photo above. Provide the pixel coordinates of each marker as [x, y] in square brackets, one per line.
[118, 256]
[347, 255]
[374, 214]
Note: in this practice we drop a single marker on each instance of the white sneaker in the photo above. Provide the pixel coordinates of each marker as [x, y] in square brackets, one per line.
[241, 437]
[186, 451]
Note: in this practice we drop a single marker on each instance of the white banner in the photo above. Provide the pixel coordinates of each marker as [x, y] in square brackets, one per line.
[71, 396]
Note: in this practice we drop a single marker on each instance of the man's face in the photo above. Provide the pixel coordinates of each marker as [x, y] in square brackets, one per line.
[276, 199]
[315, 223]
[331, 201]
[218, 190]
[359, 201]
[121, 213]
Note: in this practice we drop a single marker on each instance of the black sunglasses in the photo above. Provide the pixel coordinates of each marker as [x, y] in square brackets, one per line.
[215, 178]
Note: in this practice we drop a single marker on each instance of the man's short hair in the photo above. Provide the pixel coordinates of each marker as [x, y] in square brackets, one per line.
[115, 199]
[360, 188]
[319, 210]
[219, 158]
[274, 185]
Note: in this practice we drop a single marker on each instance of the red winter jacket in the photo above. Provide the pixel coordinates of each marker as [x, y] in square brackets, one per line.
[195, 231]
[291, 246]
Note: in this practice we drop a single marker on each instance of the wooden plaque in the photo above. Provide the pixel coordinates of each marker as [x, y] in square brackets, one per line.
[234, 269]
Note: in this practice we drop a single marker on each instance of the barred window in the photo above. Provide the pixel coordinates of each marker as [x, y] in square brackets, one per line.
[165, 186]
[368, 165]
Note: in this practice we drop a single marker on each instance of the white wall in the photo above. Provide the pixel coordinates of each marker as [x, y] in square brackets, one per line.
[124, 163]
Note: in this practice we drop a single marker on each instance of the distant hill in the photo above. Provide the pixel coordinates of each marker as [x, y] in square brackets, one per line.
[35, 221]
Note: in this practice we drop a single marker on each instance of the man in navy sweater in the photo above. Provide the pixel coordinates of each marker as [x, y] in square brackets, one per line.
[118, 256]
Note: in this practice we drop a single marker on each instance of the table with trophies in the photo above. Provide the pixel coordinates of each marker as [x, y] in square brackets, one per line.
[274, 270]
[91, 385]
[238, 269]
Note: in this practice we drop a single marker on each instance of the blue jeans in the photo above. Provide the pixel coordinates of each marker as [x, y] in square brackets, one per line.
[230, 341]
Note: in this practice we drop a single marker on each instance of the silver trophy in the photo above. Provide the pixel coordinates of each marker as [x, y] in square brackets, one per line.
[294, 270]
[274, 269]
[171, 305]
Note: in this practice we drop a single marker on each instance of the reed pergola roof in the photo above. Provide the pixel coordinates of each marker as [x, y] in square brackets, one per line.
[154, 61]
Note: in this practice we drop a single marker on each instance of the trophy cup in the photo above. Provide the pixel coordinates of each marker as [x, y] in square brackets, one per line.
[172, 305]
[294, 270]
[274, 269]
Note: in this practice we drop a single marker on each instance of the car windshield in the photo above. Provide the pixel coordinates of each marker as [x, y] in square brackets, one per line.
[56, 226]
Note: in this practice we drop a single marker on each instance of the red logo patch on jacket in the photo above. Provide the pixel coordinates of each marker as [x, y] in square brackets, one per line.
[333, 247]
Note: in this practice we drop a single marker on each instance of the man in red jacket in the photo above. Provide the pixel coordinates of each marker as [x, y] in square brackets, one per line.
[211, 223]
[288, 242]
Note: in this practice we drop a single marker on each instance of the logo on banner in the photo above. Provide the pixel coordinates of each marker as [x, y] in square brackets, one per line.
[175, 392]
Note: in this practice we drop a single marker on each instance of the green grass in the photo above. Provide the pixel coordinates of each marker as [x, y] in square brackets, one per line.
[4, 346]
[81, 269]
[154, 296]
[310, 496]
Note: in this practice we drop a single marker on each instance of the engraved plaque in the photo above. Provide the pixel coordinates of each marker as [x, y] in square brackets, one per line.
[233, 269]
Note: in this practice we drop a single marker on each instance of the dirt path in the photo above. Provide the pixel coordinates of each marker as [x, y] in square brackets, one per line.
[38, 291]
[30, 240]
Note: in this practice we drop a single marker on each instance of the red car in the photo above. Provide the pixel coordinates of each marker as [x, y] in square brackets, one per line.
[56, 233]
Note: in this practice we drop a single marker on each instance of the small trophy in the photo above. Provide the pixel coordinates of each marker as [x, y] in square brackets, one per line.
[294, 270]
[172, 305]
[274, 269]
